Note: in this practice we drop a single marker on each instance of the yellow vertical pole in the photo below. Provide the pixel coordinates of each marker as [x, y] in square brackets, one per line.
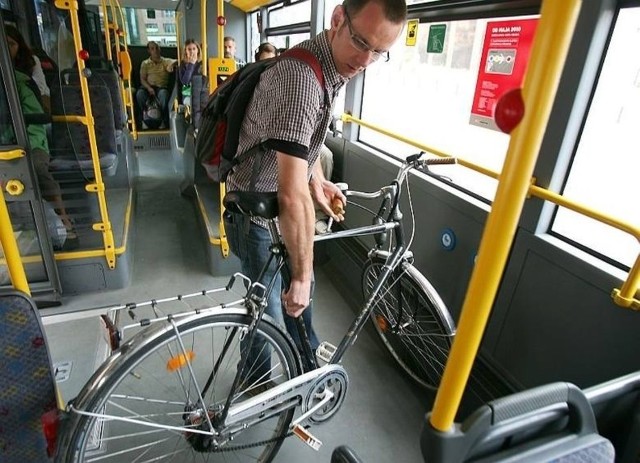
[220, 29]
[553, 35]
[11, 251]
[224, 244]
[203, 34]
[107, 31]
[98, 186]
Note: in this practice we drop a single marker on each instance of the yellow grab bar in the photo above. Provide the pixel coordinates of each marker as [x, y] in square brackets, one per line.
[555, 30]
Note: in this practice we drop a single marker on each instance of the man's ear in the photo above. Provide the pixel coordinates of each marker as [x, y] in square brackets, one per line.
[337, 17]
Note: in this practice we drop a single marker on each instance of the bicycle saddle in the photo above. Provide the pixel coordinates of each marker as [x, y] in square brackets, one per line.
[252, 203]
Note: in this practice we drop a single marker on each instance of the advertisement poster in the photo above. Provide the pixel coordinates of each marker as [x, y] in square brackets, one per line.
[505, 55]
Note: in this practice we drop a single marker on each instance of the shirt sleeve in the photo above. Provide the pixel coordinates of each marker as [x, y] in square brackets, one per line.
[185, 72]
[38, 77]
[293, 100]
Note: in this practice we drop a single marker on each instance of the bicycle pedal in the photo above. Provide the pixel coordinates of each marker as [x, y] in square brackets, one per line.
[305, 436]
[325, 351]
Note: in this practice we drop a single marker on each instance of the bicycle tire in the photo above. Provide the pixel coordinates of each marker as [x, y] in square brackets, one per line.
[419, 333]
[137, 381]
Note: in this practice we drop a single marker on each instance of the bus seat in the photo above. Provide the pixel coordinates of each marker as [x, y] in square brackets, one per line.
[103, 74]
[344, 454]
[70, 148]
[27, 381]
[554, 422]
[616, 405]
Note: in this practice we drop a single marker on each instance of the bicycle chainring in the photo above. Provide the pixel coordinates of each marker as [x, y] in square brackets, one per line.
[337, 383]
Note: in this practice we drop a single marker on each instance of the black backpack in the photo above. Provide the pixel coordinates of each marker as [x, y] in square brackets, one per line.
[221, 120]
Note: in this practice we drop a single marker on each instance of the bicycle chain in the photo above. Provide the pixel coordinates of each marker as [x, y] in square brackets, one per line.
[247, 446]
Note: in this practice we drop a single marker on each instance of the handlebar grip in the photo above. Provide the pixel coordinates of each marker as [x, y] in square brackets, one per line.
[444, 160]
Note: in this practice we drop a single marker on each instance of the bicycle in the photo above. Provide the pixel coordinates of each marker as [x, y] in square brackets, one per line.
[180, 386]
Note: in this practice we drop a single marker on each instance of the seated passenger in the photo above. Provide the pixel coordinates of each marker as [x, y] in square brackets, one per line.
[193, 87]
[154, 80]
[230, 52]
[326, 163]
[189, 68]
[266, 50]
[29, 95]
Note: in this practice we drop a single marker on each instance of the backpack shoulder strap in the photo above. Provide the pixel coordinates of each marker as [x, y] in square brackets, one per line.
[308, 57]
[311, 60]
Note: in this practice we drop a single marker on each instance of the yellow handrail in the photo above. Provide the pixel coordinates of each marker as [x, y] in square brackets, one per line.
[97, 187]
[557, 22]
[624, 296]
[11, 251]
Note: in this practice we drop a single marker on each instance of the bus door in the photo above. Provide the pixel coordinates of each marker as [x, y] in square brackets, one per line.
[35, 223]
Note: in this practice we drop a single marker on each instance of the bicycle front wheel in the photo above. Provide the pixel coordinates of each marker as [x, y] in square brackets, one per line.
[412, 321]
[145, 400]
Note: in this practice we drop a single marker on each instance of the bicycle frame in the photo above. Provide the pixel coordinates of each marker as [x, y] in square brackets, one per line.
[391, 195]
[235, 418]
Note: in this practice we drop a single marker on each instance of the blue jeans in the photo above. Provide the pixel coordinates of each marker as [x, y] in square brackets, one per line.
[251, 244]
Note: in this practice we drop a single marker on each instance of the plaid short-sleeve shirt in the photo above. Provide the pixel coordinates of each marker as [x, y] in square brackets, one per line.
[289, 114]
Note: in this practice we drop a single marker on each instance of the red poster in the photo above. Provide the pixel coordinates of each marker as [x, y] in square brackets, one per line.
[505, 55]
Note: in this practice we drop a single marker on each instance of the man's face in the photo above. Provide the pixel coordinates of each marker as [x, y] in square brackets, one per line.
[229, 49]
[356, 40]
[154, 50]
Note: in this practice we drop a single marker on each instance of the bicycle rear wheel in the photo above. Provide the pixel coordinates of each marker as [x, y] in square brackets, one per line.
[412, 321]
[148, 380]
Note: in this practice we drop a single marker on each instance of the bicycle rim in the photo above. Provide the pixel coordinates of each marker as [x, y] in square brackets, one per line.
[412, 323]
[153, 384]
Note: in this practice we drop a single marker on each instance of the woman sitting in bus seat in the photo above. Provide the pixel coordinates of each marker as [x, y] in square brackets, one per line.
[193, 88]
[266, 50]
[30, 103]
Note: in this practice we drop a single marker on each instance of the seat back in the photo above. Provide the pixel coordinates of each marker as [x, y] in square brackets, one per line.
[554, 422]
[27, 382]
[70, 148]
[103, 74]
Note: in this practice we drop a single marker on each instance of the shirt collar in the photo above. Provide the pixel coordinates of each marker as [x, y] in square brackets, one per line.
[333, 79]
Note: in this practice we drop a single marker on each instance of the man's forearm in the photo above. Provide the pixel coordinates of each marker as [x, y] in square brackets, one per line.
[297, 228]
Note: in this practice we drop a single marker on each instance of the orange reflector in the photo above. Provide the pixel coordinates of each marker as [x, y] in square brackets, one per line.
[382, 323]
[179, 361]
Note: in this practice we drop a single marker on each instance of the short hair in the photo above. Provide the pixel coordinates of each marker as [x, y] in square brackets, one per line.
[152, 42]
[266, 47]
[228, 38]
[394, 10]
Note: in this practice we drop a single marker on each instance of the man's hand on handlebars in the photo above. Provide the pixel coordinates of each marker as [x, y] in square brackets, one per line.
[330, 199]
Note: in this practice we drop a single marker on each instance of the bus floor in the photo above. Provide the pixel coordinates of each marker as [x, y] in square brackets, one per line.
[383, 413]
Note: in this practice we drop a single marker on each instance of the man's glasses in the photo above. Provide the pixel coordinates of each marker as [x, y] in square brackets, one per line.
[360, 44]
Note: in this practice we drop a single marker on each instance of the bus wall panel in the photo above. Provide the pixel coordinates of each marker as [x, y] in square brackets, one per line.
[554, 319]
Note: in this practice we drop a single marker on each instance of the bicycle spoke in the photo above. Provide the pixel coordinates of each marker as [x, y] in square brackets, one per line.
[150, 412]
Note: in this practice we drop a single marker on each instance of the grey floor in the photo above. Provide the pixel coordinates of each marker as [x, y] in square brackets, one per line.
[382, 416]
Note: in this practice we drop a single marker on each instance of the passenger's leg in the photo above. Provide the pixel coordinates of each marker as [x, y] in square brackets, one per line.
[251, 244]
[141, 98]
[50, 190]
[163, 98]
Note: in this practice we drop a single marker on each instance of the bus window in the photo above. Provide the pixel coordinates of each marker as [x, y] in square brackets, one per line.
[144, 25]
[440, 86]
[604, 168]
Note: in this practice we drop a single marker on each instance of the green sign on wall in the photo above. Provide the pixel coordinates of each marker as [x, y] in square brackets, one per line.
[436, 38]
